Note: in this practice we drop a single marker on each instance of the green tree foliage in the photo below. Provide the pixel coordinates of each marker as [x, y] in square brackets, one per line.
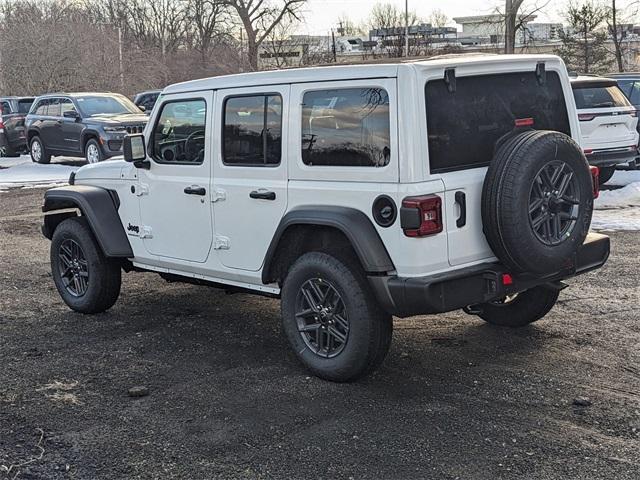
[584, 47]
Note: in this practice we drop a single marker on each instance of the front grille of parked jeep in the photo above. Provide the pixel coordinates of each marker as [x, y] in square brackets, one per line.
[135, 128]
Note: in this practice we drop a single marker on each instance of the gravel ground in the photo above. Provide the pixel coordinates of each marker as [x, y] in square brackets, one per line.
[455, 398]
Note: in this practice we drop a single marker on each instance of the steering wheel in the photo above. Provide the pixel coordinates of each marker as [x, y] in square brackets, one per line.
[192, 150]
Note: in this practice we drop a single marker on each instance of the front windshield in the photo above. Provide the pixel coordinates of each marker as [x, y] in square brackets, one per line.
[102, 105]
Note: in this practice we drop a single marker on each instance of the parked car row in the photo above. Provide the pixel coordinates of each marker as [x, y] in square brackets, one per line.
[89, 125]
[608, 124]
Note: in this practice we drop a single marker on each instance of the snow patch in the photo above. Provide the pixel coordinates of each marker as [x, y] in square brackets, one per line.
[22, 172]
[624, 177]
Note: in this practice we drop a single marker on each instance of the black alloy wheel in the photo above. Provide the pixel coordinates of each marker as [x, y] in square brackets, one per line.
[554, 203]
[73, 267]
[321, 317]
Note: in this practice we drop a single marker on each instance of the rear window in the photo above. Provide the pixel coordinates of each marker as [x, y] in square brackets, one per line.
[24, 105]
[464, 126]
[599, 97]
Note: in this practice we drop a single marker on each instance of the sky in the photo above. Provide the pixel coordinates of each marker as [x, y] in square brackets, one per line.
[322, 15]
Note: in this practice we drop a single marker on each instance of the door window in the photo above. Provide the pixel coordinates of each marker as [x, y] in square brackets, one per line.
[252, 130]
[53, 110]
[179, 134]
[346, 127]
[66, 105]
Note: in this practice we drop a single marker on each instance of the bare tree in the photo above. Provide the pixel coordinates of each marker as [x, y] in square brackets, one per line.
[511, 9]
[438, 18]
[260, 17]
[616, 15]
[210, 21]
[389, 16]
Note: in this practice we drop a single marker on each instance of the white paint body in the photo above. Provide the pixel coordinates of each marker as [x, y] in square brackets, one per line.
[182, 231]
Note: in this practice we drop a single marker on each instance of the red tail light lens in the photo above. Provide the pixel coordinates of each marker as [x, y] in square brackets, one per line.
[595, 179]
[1, 125]
[585, 117]
[422, 215]
[524, 122]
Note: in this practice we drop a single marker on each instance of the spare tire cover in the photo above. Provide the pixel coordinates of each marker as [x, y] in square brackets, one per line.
[537, 202]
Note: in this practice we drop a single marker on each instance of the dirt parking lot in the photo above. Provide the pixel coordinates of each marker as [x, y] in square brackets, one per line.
[455, 398]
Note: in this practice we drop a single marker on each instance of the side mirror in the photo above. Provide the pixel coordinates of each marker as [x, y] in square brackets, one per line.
[71, 114]
[142, 107]
[135, 150]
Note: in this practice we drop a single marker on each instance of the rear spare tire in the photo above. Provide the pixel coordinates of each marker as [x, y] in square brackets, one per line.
[537, 202]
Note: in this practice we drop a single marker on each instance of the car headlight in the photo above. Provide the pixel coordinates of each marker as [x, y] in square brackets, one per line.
[115, 129]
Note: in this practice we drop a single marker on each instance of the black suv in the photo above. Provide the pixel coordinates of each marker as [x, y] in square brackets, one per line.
[146, 100]
[13, 139]
[89, 125]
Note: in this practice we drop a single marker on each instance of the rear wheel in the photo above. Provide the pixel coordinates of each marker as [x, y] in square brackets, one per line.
[333, 322]
[87, 281]
[519, 309]
[39, 153]
[606, 173]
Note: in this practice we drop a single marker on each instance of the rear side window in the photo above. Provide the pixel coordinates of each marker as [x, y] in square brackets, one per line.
[25, 105]
[346, 127]
[6, 108]
[41, 108]
[464, 126]
[599, 97]
[252, 130]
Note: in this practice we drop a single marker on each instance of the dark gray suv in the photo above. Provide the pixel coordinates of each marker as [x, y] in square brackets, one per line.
[89, 125]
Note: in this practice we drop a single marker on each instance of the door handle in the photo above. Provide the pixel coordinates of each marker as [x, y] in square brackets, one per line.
[461, 199]
[263, 195]
[195, 190]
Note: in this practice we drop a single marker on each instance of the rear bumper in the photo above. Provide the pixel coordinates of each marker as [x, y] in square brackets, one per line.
[606, 157]
[404, 297]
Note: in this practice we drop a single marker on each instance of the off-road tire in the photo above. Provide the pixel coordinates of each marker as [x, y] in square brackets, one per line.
[606, 173]
[508, 185]
[104, 274]
[527, 307]
[370, 327]
[45, 156]
[91, 144]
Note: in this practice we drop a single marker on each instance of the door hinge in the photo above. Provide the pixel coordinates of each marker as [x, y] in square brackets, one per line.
[221, 243]
[145, 232]
[142, 189]
[218, 194]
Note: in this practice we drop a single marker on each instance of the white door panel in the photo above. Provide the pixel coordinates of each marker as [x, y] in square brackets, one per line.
[175, 215]
[466, 241]
[252, 198]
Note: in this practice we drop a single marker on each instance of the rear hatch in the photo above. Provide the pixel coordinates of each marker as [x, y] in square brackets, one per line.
[465, 123]
[607, 118]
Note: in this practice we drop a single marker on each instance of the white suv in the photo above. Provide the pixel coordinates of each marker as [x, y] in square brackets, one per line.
[353, 193]
[608, 123]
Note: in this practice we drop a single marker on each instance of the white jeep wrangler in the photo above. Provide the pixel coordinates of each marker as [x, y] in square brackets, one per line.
[353, 193]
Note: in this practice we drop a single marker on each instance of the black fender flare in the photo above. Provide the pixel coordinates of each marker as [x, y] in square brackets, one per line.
[99, 206]
[353, 223]
[86, 134]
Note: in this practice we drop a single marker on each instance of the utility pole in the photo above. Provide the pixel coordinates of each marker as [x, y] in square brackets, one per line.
[333, 45]
[406, 28]
[121, 63]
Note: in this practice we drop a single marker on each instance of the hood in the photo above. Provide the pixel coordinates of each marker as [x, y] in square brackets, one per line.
[107, 170]
[123, 118]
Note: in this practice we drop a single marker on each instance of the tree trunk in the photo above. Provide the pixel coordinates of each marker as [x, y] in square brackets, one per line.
[586, 47]
[616, 41]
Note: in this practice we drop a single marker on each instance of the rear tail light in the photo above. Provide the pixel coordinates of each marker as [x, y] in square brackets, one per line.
[1, 126]
[595, 180]
[585, 117]
[421, 216]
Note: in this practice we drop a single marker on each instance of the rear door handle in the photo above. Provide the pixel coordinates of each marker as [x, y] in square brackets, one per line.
[195, 190]
[263, 195]
[461, 200]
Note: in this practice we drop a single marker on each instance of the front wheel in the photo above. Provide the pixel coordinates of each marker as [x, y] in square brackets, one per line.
[93, 152]
[520, 309]
[330, 317]
[87, 281]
